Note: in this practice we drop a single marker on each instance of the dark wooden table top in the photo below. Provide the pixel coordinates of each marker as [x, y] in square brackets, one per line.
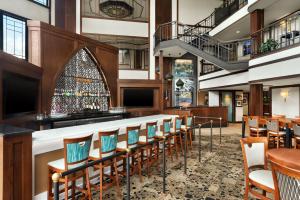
[286, 157]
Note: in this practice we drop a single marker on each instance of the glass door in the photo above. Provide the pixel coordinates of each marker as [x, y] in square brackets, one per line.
[226, 100]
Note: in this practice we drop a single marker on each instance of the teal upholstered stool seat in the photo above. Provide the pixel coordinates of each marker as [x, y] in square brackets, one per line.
[144, 139]
[161, 133]
[96, 154]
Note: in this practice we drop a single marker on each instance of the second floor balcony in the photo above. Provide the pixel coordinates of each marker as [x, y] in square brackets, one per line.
[282, 34]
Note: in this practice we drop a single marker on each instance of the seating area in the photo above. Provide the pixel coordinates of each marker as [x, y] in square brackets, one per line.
[149, 99]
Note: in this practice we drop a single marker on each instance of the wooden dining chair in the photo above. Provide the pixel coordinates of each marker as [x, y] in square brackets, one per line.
[274, 134]
[187, 129]
[296, 128]
[131, 141]
[286, 181]
[254, 128]
[275, 116]
[166, 132]
[76, 153]
[257, 174]
[107, 146]
[151, 149]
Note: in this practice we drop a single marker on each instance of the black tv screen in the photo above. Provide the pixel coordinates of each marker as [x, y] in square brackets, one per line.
[20, 94]
[138, 97]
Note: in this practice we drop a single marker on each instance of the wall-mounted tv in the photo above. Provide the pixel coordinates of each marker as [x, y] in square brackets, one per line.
[138, 97]
[20, 95]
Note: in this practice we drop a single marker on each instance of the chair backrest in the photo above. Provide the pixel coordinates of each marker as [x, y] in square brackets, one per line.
[275, 116]
[178, 123]
[253, 121]
[254, 152]
[76, 151]
[273, 125]
[286, 181]
[296, 128]
[167, 126]
[108, 142]
[189, 121]
[151, 128]
[132, 135]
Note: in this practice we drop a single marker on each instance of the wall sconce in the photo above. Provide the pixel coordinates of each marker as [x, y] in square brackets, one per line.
[284, 94]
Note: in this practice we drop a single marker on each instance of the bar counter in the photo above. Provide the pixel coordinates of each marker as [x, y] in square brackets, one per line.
[47, 145]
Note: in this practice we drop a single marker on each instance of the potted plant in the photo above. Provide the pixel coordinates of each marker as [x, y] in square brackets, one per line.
[269, 45]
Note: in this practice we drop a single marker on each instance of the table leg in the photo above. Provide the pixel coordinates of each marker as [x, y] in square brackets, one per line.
[243, 128]
[288, 138]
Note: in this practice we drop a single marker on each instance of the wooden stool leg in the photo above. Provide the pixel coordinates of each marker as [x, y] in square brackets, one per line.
[101, 181]
[278, 141]
[88, 184]
[73, 190]
[181, 144]
[191, 139]
[176, 147]
[170, 148]
[66, 187]
[148, 160]
[50, 194]
[140, 168]
[117, 177]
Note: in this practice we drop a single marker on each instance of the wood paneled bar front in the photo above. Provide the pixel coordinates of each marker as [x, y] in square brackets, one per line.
[51, 48]
[204, 112]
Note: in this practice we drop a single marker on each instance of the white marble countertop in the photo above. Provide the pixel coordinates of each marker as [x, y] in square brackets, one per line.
[52, 139]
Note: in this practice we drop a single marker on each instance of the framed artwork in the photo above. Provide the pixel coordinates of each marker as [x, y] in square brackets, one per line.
[238, 97]
[245, 101]
[239, 103]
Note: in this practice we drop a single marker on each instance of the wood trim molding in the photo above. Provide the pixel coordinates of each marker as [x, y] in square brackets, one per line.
[274, 78]
[225, 86]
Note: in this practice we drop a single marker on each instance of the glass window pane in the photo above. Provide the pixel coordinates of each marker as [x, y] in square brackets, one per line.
[14, 36]
[43, 2]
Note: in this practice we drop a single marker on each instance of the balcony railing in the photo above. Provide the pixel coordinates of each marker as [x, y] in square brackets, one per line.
[281, 34]
[218, 16]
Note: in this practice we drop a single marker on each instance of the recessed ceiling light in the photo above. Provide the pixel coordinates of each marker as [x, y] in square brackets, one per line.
[238, 31]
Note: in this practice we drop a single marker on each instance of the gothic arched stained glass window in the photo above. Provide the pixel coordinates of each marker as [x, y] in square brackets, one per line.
[81, 86]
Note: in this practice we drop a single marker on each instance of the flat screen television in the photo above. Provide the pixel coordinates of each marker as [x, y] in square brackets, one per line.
[138, 97]
[20, 95]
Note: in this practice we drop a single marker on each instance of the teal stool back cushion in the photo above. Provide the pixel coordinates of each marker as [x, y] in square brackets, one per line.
[167, 127]
[178, 124]
[151, 131]
[133, 136]
[77, 152]
[189, 121]
[108, 143]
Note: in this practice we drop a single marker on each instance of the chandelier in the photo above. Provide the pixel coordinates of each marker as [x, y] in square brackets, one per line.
[116, 8]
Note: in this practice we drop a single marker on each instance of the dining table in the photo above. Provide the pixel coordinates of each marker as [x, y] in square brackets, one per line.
[288, 177]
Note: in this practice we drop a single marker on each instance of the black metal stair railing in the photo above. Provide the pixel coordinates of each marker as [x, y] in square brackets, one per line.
[226, 52]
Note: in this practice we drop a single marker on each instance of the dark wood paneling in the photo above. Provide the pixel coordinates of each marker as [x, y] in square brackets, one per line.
[256, 100]
[17, 166]
[256, 23]
[163, 11]
[51, 48]
[65, 14]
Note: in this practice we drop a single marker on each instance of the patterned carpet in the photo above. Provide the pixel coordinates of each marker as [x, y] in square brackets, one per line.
[220, 175]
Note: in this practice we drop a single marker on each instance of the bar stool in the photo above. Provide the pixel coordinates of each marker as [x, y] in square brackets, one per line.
[76, 153]
[166, 128]
[151, 150]
[177, 138]
[274, 134]
[187, 128]
[107, 146]
[296, 128]
[255, 129]
[132, 139]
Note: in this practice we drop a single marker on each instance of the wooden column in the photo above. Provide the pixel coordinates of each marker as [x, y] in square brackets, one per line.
[256, 23]
[15, 163]
[256, 100]
[65, 14]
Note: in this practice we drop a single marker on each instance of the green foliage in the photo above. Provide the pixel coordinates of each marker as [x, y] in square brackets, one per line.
[269, 45]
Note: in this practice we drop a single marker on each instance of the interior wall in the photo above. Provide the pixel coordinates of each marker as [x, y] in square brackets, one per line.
[26, 9]
[291, 107]
[193, 11]
[213, 98]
